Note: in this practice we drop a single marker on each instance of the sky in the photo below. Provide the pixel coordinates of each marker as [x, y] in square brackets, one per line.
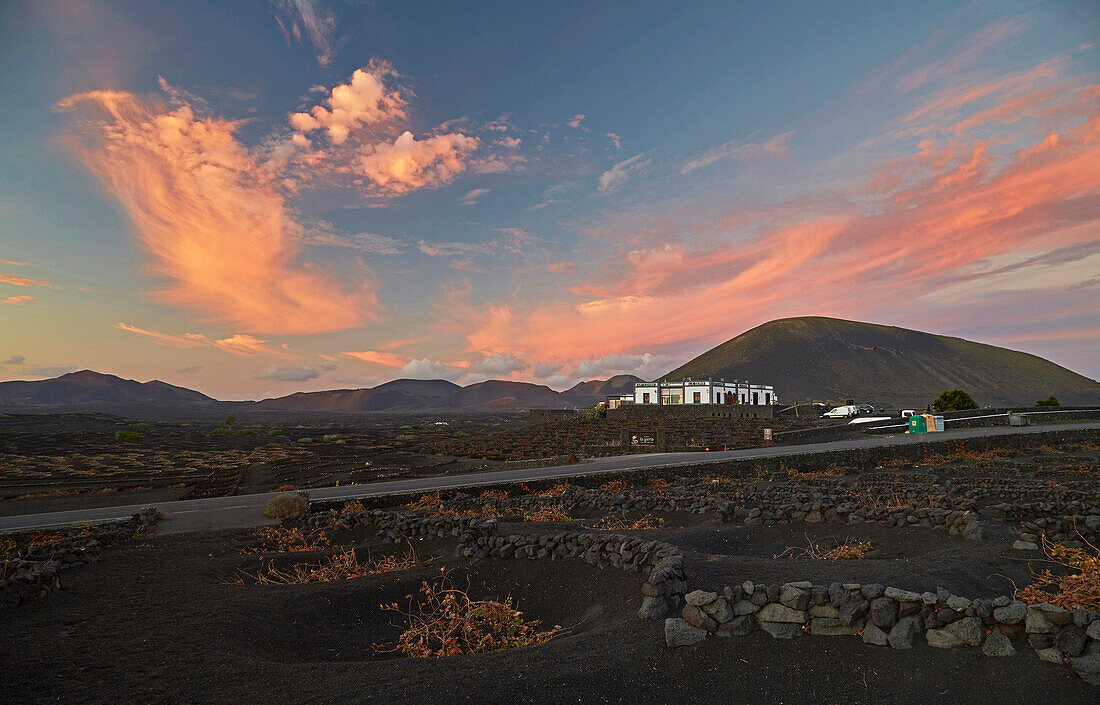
[268, 196]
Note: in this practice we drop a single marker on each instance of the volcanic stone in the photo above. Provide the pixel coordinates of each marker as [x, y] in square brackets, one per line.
[679, 633]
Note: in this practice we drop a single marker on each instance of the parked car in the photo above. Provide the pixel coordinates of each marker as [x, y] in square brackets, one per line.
[865, 408]
[906, 413]
[841, 412]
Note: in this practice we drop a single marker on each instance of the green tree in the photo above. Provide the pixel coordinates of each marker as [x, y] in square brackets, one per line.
[1049, 401]
[954, 400]
[849, 402]
[597, 412]
[230, 420]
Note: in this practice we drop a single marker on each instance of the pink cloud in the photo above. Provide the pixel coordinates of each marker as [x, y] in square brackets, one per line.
[19, 299]
[386, 359]
[212, 221]
[407, 164]
[946, 213]
[239, 344]
[364, 100]
[23, 281]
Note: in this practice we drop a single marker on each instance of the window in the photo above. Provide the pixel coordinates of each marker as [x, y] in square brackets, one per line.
[755, 399]
[767, 398]
[645, 397]
[697, 398]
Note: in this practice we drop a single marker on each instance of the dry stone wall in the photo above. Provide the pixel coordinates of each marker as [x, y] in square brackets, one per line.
[893, 618]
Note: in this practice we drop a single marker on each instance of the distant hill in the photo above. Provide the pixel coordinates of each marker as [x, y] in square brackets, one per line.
[86, 388]
[594, 391]
[424, 395]
[503, 395]
[829, 359]
[398, 395]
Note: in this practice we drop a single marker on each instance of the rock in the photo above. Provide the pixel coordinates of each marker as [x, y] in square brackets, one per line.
[827, 626]
[739, 626]
[902, 633]
[744, 607]
[973, 531]
[776, 612]
[652, 608]
[1037, 622]
[1071, 640]
[794, 597]
[958, 603]
[874, 635]
[942, 639]
[748, 587]
[997, 644]
[1093, 632]
[1012, 613]
[696, 617]
[782, 630]
[968, 630]
[1052, 654]
[719, 610]
[902, 595]
[1087, 665]
[679, 633]
[884, 612]
[1002, 601]
[872, 591]
[698, 598]
[824, 611]
[1025, 546]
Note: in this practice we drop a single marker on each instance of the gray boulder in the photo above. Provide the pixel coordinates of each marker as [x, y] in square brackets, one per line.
[942, 639]
[874, 635]
[653, 608]
[782, 630]
[969, 630]
[775, 612]
[1012, 613]
[679, 633]
[901, 634]
[997, 644]
[699, 598]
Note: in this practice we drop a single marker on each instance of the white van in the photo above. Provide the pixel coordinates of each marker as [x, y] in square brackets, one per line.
[841, 412]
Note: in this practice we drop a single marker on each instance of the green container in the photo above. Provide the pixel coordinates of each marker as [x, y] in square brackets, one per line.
[917, 424]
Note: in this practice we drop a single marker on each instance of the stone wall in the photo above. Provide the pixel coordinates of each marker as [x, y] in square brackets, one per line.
[894, 618]
[33, 571]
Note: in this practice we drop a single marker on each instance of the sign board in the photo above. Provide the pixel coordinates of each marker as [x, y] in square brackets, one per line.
[767, 434]
[643, 439]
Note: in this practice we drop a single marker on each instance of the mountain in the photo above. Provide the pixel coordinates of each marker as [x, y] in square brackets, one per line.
[594, 391]
[88, 388]
[398, 395]
[815, 358]
[424, 395]
[503, 395]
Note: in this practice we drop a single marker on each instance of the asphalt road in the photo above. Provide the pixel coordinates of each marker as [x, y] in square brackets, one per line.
[240, 511]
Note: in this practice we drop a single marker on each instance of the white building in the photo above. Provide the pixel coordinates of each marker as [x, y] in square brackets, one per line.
[701, 392]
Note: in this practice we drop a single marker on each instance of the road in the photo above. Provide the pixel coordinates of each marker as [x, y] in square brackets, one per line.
[241, 511]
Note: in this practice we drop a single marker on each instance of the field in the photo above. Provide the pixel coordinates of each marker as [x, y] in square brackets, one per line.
[304, 612]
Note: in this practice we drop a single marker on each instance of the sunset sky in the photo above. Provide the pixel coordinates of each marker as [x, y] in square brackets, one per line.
[259, 197]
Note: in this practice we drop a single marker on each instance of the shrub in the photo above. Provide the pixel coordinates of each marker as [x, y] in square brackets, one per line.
[461, 434]
[597, 412]
[127, 436]
[221, 431]
[329, 437]
[142, 425]
[276, 432]
[447, 622]
[848, 551]
[342, 566]
[954, 400]
[1079, 589]
[305, 439]
[246, 432]
[286, 505]
[1049, 401]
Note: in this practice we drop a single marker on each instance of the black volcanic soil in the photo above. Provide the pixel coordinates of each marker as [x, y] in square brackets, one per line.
[156, 621]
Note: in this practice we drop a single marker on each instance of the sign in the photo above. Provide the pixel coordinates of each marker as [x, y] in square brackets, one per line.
[642, 439]
[767, 434]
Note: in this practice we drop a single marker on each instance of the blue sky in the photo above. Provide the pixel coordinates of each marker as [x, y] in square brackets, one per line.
[584, 190]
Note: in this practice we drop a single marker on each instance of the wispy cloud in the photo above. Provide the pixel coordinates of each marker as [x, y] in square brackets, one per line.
[471, 196]
[19, 299]
[239, 344]
[15, 280]
[774, 148]
[617, 175]
[211, 218]
[309, 18]
[296, 373]
[375, 357]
